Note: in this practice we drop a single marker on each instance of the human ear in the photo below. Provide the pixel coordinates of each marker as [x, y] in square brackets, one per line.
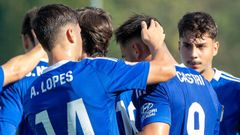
[215, 48]
[70, 35]
[137, 51]
[25, 41]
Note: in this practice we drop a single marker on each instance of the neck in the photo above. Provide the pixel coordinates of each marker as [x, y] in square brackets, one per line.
[58, 54]
[208, 74]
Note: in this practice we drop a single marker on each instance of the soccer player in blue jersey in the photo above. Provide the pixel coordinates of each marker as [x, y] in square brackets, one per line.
[198, 45]
[11, 98]
[96, 31]
[73, 97]
[186, 104]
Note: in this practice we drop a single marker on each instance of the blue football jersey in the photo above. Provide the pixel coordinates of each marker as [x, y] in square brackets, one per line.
[1, 78]
[227, 88]
[11, 112]
[79, 97]
[126, 113]
[187, 103]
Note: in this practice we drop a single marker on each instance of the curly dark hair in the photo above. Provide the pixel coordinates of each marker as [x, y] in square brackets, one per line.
[96, 30]
[198, 23]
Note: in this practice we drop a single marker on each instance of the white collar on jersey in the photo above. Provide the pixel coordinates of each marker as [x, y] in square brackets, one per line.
[217, 74]
[181, 65]
[56, 65]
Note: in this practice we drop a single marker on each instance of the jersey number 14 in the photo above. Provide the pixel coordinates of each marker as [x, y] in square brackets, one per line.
[74, 108]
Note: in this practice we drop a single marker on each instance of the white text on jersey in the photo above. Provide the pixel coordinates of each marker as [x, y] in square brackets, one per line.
[190, 78]
[52, 82]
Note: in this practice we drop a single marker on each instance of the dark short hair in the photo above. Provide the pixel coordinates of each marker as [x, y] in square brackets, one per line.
[96, 30]
[49, 20]
[27, 23]
[199, 23]
[131, 28]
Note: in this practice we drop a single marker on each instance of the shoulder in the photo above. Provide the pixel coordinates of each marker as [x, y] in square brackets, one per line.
[110, 64]
[100, 61]
[103, 59]
[108, 60]
[42, 63]
[224, 76]
[38, 70]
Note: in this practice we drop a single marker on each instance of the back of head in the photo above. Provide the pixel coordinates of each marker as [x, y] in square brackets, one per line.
[49, 21]
[131, 28]
[27, 24]
[96, 26]
[198, 23]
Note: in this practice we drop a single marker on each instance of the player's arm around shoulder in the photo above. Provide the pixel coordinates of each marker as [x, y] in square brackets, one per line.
[19, 66]
[162, 65]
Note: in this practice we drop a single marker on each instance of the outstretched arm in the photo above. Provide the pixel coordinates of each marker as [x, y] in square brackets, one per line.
[162, 66]
[19, 66]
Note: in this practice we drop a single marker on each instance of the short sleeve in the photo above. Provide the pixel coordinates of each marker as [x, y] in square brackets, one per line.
[11, 107]
[155, 106]
[1, 78]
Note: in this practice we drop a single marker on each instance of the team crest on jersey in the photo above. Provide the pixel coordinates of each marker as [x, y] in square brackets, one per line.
[147, 110]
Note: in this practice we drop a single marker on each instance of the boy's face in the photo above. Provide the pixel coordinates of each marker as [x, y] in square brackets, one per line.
[198, 53]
